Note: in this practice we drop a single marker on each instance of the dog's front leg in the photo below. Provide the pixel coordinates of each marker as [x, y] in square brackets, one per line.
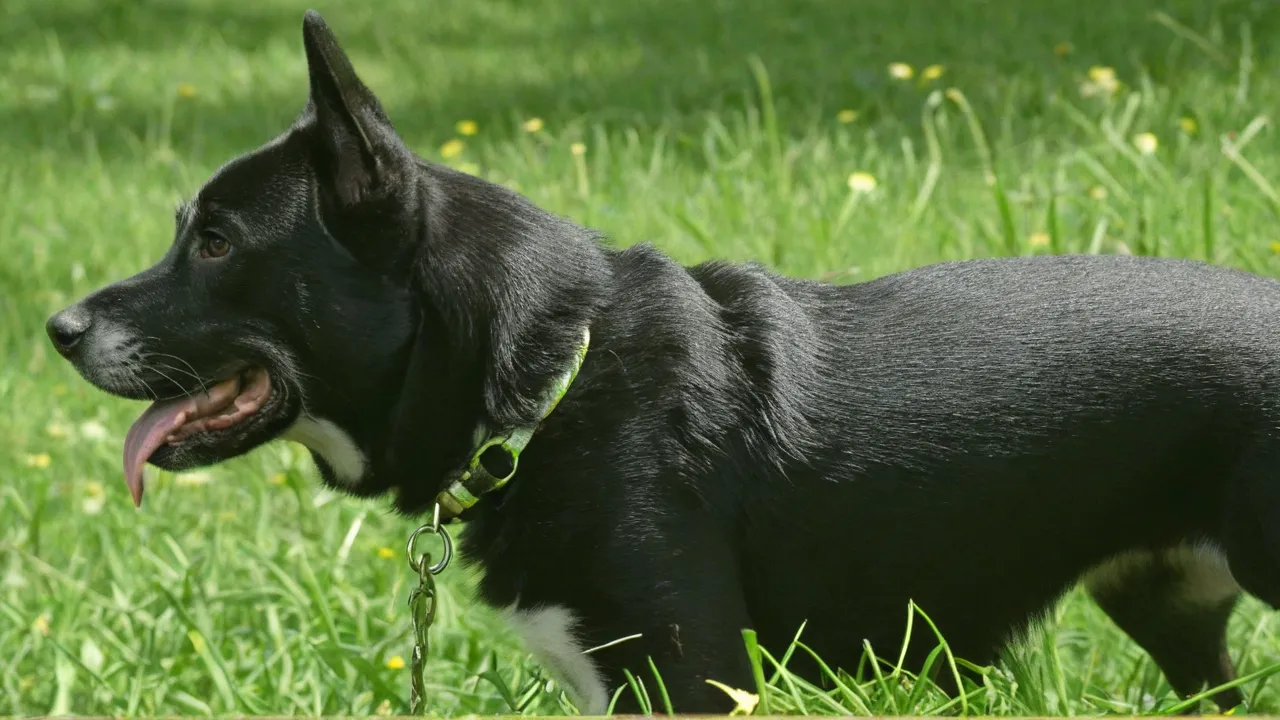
[688, 646]
[677, 602]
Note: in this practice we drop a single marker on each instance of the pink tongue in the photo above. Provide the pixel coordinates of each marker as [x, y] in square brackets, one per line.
[149, 431]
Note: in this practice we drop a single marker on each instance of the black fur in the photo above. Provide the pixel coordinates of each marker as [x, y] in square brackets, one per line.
[740, 449]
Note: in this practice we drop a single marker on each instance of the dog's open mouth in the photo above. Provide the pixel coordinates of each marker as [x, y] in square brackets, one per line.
[222, 406]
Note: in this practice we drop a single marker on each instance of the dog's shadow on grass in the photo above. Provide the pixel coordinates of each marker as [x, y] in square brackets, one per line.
[637, 63]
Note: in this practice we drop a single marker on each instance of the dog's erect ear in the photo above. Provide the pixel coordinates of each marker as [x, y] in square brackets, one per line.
[358, 137]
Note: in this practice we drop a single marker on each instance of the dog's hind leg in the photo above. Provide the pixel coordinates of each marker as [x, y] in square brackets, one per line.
[1251, 522]
[1175, 603]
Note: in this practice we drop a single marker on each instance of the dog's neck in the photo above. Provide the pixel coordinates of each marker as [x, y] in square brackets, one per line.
[494, 330]
[496, 456]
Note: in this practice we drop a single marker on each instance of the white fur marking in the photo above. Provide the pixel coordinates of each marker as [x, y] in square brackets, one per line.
[1206, 577]
[548, 632]
[331, 443]
[110, 355]
[111, 338]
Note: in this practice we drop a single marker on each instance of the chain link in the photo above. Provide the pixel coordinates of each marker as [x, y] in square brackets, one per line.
[422, 606]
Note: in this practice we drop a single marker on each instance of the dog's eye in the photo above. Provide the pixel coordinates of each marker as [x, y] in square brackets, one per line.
[213, 245]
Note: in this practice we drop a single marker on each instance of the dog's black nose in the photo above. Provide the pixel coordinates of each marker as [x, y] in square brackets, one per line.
[67, 328]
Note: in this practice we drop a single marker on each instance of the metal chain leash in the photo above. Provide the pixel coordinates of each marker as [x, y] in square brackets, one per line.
[422, 606]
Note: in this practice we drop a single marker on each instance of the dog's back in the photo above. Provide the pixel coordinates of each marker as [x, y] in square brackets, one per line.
[974, 436]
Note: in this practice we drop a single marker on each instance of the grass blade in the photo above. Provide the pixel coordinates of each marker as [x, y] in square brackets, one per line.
[757, 669]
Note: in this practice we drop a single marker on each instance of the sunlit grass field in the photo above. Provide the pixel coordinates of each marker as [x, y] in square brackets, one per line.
[831, 139]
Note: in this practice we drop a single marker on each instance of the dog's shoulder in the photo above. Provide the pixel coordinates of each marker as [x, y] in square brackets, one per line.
[715, 346]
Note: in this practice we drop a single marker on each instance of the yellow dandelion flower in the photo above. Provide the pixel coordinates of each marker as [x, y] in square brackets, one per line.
[1102, 81]
[532, 125]
[578, 149]
[862, 183]
[1189, 125]
[847, 116]
[278, 479]
[1063, 49]
[1275, 247]
[901, 71]
[1146, 143]
[395, 662]
[386, 553]
[93, 488]
[1039, 239]
[40, 460]
[466, 127]
[41, 624]
[1102, 75]
[1097, 192]
[186, 90]
[57, 431]
[453, 148]
[933, 72]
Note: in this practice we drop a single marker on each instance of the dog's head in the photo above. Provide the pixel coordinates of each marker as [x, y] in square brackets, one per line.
[333, 288]
[260, 318]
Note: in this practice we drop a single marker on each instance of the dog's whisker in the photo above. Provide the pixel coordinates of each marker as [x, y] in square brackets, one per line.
[189, 371]
[153, 359]
[156, 353]
[161, 373]
[137, 378]
[134, 383]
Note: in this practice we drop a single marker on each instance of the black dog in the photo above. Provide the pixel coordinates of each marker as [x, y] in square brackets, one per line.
[739, 449]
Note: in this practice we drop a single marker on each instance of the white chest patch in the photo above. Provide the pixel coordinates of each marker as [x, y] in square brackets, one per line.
[331, 443]
[549, 633]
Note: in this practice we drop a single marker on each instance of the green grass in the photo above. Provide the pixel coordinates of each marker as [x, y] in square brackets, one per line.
[710, 129]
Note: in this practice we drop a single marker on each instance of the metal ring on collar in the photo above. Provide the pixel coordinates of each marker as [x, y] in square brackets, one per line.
[434, 527]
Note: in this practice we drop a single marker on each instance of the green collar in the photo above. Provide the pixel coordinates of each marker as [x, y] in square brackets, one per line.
[496, 456]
